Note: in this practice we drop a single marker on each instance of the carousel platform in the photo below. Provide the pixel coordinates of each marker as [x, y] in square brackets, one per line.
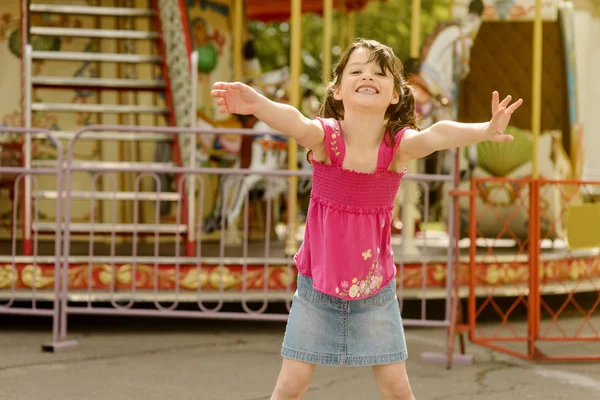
[230, 273]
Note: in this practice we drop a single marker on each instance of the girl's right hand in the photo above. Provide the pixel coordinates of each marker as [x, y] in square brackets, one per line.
[236, 98]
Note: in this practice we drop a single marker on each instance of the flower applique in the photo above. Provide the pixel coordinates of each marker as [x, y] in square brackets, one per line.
[334, 136]
[359, 288]
[367, 254]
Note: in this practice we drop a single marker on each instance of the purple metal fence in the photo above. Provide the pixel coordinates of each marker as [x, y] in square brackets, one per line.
[125, 302]
[208, 303]
[151, 274]
[25, 289]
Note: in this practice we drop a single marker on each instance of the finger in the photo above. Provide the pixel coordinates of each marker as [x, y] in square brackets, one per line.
[222, 85]
[506, 101]
[223, 110]
[220, 102]
[218, 93]
[495, 101]
[514, 106]
[239, 86]
[501, 137]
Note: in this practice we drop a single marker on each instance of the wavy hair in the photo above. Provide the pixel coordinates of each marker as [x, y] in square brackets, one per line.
[398, 116]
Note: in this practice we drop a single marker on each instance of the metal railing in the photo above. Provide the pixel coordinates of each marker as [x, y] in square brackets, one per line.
[151, 275]
[17, 277]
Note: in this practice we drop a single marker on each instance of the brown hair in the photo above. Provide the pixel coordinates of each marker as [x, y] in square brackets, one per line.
[398, 116]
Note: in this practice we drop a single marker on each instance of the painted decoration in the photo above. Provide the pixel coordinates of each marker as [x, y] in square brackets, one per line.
[502, 272]
[509, 10]
[210, 35]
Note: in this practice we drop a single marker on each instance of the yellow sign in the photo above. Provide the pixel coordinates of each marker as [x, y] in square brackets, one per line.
[583, 226]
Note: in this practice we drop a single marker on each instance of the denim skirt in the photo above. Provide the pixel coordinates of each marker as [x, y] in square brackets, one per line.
[327, 330]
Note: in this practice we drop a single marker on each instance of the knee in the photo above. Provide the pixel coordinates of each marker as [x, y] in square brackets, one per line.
[290, 389]
[397, 391]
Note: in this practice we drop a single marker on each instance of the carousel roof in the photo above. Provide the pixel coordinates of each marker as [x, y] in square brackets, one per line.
[279, 10]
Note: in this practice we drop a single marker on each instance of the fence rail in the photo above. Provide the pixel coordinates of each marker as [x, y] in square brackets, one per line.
[141, 267]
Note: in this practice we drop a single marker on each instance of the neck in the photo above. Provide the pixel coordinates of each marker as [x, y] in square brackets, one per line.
[363, 129]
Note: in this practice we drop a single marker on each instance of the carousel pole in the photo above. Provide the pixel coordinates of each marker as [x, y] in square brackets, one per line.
[534, 216]
[327, 19]
[238, 22]
[408, 226]
[342, 26]
[351, 27]
[295, 45]
[415, 29]
[536, 105]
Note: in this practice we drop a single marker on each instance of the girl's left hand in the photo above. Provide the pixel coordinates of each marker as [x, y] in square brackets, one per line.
[501, 113]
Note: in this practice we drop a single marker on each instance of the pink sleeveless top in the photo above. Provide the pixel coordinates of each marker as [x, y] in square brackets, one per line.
[347, 241]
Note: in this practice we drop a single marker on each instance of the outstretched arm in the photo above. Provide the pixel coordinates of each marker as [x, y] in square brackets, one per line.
[448, 134]
[238, 98]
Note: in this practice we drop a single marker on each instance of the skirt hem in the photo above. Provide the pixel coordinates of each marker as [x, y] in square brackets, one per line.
[347, 360]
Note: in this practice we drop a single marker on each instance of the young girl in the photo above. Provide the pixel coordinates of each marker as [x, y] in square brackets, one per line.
[345, 310]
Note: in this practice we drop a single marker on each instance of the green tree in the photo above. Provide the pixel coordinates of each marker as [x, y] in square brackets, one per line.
[385, 21]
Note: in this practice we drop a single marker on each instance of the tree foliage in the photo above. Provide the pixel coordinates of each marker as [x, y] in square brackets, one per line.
[385, 21]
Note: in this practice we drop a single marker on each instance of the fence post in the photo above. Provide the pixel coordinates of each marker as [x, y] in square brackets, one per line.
[533, 304]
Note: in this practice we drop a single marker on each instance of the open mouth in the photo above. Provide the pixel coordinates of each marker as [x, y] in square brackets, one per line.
[367, 89]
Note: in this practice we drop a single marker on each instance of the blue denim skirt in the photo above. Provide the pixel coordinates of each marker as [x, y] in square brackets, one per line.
[327, 330]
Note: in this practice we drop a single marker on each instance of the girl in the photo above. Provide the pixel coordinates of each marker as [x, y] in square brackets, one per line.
[345, 310]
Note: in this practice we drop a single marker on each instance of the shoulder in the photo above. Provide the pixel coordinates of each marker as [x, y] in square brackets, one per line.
[329, 123]
[399, 158]
[331, 127]
[399, 135]
[406, 131]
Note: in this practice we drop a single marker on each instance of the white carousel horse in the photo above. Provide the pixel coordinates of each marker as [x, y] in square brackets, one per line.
[445, 62]
[269, 153]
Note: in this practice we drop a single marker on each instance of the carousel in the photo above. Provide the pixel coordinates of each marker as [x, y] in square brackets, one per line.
[230, 236]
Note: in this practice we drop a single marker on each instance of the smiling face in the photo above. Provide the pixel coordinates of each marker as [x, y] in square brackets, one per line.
[368, 79]
[366, 83]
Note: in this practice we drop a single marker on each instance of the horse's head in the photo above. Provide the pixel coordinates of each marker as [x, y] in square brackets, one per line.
[446, 54]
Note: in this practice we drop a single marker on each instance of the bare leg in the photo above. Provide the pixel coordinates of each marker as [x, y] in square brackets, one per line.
[392, 381]
[293, 381]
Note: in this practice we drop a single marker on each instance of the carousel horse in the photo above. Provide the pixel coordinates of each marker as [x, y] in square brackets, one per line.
[269, 153]
[435, 80]
[444, 63]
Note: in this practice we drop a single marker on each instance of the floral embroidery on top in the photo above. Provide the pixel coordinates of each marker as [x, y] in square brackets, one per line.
[336, 132]
[364, 287]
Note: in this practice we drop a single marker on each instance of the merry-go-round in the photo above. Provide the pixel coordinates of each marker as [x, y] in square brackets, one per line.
[124, 192]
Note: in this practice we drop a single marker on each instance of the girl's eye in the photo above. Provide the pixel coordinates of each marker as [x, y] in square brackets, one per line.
[380, 74]
[355, 72]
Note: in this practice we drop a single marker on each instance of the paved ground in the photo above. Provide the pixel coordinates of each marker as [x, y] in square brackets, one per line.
[121, 358]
